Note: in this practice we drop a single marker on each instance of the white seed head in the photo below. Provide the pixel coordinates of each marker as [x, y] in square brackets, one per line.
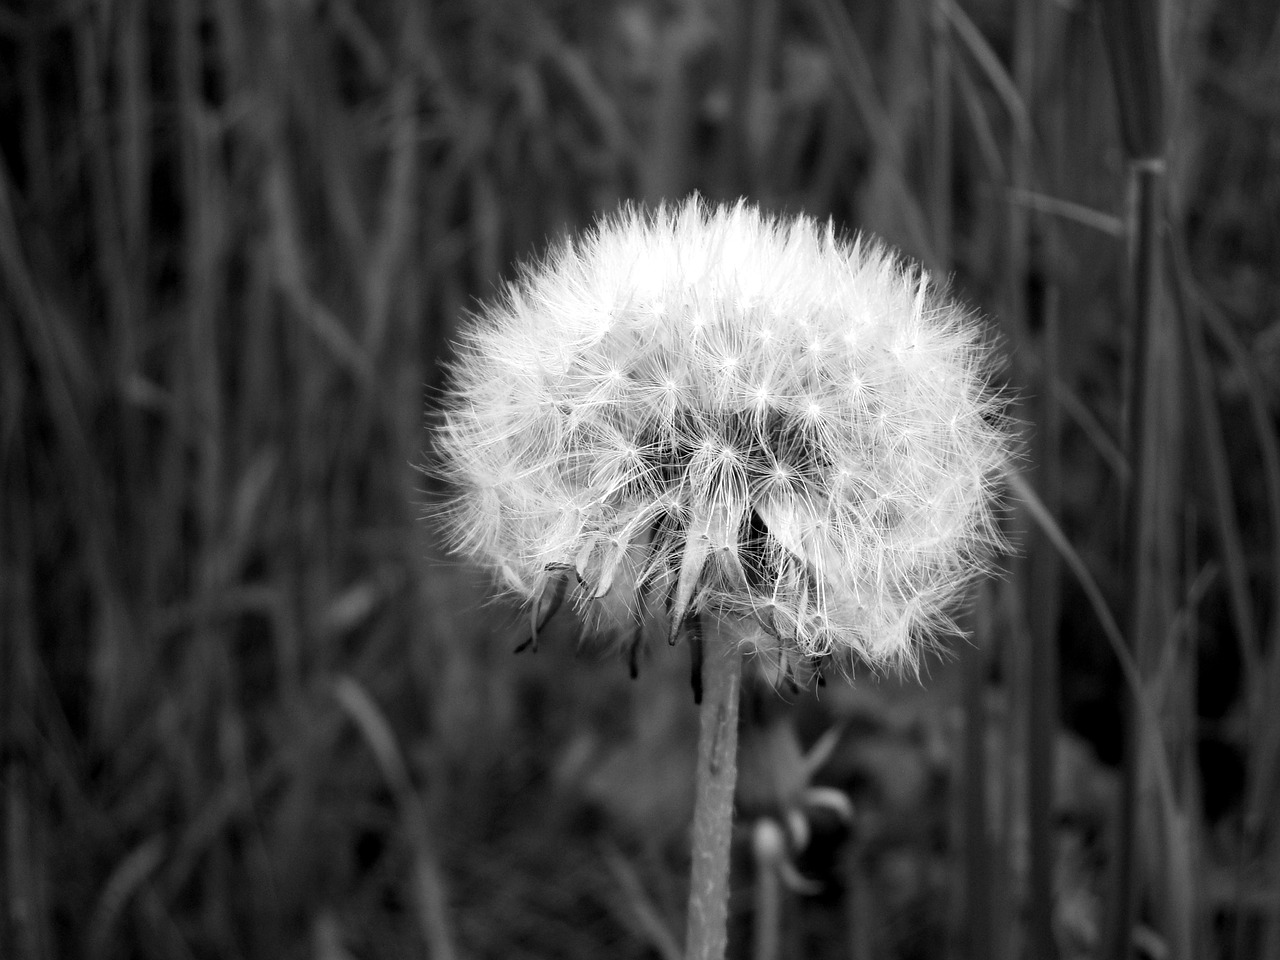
[746, 414]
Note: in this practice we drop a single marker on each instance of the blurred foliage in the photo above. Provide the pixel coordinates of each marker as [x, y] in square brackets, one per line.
[248, 709]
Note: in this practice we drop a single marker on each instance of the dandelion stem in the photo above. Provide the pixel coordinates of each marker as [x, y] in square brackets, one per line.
[717, 773]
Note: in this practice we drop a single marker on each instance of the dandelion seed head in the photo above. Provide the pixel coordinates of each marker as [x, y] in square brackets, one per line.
[801, 416]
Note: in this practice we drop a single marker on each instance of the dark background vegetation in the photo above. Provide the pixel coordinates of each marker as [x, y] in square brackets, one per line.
[248, 709]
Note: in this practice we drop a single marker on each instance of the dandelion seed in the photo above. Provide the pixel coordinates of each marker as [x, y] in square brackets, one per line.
[748, 413]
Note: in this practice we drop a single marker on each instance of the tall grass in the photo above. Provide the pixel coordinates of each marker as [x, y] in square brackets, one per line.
[248, 710]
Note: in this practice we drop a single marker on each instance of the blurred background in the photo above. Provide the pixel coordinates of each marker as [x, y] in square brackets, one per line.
[249, 709]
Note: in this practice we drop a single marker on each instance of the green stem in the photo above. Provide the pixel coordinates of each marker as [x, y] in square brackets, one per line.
[717, 772]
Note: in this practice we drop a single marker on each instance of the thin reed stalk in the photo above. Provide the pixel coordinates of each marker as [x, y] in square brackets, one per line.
[1152, 868]
[980, 864]
[942, 201]
[1031, 295]
[1043, 579]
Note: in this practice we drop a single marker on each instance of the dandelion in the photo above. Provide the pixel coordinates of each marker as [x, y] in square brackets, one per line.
[744, 428]
[707, 411]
